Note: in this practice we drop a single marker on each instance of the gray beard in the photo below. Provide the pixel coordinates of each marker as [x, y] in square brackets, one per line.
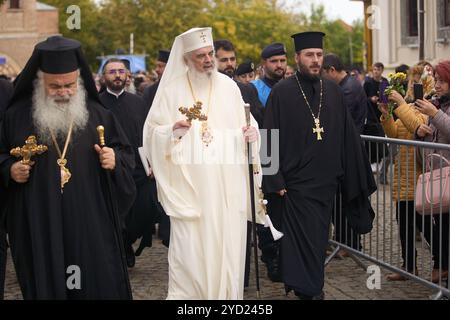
[50, 117]
[131, 88]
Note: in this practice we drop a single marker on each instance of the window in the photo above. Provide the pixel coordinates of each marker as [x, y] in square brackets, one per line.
[14, 4]
[447, 13]
[413, 22]
[443, 21]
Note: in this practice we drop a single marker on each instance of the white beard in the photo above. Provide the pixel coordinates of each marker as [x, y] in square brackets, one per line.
[51, 117]
[200, 76]
[131, 88]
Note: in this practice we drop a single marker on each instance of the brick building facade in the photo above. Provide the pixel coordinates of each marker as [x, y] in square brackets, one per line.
[23, 23]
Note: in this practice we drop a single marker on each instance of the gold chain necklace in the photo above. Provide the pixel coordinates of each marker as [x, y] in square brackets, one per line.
[205, 133]
[317, 130]
[62, 161]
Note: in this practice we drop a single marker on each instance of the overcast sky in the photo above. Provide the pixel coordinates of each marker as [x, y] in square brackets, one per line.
[345, 9]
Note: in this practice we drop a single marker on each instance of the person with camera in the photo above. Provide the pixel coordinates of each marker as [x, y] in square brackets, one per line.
[405, 175]
[438, 130]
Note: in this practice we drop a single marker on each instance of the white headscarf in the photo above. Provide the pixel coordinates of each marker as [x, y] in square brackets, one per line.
[188, 41]
[176, 67]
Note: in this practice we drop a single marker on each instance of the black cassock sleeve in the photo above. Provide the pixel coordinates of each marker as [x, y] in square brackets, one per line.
[124, 188]
[357, 183]
[6, 160]
[273, 183]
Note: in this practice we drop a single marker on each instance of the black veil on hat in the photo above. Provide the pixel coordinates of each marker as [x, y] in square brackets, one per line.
[126, 63]
[308, 40]
[56, 55]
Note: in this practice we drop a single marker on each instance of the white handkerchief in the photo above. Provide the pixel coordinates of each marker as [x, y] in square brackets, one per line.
[275, 233]
[144, 160]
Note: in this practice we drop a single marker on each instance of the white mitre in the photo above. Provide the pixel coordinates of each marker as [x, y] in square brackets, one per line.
[196, 38]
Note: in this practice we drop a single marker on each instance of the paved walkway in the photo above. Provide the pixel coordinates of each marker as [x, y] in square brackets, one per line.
[344, 280]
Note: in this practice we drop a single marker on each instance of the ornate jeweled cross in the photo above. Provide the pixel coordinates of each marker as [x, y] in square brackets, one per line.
[30, 149]
[318, 130]
[194, 112]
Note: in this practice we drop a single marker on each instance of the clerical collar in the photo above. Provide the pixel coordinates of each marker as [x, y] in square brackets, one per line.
[270, 82]
[117, 95]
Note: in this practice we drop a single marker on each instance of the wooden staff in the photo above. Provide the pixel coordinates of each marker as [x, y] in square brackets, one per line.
[252, 201]
[115, 214]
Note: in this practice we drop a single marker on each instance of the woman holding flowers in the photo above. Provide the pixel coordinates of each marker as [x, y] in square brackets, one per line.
[405, 172]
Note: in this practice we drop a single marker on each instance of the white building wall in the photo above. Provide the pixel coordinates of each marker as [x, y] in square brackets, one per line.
[387, 40]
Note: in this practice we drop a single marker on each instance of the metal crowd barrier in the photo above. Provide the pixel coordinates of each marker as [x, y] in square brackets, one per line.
[425, 237]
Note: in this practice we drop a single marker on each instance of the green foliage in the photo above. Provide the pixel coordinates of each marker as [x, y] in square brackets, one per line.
[348, 45]
[250, 24]
[89, 34]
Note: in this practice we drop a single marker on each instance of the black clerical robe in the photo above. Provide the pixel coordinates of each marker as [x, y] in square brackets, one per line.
[149, 96]
[53, 233]
[130, 112]
[250, 96]
[310, 170]
[6, 90]
[162, 218]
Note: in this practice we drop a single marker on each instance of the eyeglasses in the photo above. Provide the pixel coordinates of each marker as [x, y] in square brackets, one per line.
[114, 71]
[232, 59]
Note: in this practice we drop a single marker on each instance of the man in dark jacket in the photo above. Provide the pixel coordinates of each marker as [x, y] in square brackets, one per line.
[355, 100]
[354, 96]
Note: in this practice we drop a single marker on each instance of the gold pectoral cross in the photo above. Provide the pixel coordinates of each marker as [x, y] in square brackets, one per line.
[194, 112]
[318, 130]
[27, 151]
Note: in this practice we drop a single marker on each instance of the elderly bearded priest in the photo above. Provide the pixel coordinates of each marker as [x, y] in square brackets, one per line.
[59, 211]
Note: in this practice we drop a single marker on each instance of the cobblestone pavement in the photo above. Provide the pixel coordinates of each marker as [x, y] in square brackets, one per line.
[344, 278]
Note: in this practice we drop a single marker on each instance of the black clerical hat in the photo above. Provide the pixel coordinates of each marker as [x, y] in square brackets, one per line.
[58, 55]
[245, 67]
[127, 63]
[163, 55]
[274, 49]
[306, 40]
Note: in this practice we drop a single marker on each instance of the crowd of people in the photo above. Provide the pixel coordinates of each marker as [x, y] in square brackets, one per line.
[100, 159]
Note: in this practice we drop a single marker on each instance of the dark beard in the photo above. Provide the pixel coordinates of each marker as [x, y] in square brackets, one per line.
[306, 74]
[113, 87]
[273, 75]
[228, 72]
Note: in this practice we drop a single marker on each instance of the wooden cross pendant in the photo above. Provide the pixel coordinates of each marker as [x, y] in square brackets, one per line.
[318, 130]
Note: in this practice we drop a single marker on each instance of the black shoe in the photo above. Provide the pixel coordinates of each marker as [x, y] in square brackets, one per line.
[165, 242]
[302, 296]
[131, 259]
[320, 296]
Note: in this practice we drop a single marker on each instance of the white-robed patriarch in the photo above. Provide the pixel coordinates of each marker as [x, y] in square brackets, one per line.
[202, 183]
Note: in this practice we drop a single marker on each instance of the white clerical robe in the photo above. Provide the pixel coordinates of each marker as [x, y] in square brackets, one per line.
[204, 189]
